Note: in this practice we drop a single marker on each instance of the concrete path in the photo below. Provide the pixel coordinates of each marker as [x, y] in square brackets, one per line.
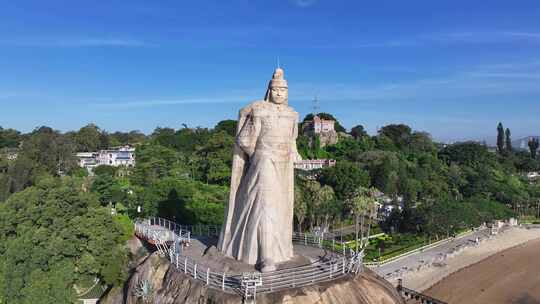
[394, 269]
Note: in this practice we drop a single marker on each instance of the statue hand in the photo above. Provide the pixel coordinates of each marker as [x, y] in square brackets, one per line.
[295, 156]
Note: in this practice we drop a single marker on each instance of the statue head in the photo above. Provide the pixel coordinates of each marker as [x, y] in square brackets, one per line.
[278, 91]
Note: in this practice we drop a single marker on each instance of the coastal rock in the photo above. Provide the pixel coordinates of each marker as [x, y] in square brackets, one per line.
[171, 287]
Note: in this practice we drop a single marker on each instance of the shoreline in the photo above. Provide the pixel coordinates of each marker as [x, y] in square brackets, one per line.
[509, 276]
[427, 277]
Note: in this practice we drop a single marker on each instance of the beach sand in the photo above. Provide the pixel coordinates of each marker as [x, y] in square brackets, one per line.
[509, 276]
[427, 277]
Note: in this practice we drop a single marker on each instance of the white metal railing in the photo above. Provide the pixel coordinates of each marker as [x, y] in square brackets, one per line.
[337, 262]
[419, 249]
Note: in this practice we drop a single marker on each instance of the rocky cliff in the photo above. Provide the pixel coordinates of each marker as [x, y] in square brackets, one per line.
[169, 286]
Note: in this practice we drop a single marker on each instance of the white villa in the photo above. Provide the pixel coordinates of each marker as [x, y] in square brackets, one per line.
[120, 156]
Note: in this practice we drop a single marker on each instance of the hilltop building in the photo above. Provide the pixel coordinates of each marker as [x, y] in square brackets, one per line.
[120, 156]
[323, 128]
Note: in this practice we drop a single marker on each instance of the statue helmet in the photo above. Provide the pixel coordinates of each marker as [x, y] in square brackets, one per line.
[277, 81]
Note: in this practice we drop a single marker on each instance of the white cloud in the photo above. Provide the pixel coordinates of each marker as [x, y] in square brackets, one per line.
[496, 80]
[442, 38]
[476, 81]
[304, 3]
[74, 42]
[121, 103]
[483, 37]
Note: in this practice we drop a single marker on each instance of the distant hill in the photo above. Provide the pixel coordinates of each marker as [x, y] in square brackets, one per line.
[522, 143]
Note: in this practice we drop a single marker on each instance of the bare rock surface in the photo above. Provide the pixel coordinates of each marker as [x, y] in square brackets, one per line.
[171, 287]
[204, 252]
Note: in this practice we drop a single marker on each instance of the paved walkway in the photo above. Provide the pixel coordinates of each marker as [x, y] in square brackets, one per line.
[393, 269]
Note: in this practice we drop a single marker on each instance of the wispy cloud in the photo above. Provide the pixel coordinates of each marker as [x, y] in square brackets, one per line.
[304, 3]
[75, 42]
[123, 104]
[482, 37]
[500, 79]
[476, 81]
[443, 38]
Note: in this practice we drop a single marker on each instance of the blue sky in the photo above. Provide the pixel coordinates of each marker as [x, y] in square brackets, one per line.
[451, 68]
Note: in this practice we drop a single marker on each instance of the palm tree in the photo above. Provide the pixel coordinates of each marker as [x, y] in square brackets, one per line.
[363, 207]
[300, 207]
[315, 200]
[328, 199]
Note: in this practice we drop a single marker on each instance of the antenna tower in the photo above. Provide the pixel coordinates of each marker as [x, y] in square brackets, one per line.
[316, 106]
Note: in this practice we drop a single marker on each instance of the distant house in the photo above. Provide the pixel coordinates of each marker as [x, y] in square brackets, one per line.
[323, 128]
[386, 204]
[10, 154]
[313, 164]
[523, 143]
[115, 157]
[319, 125]
[87, 160]
[533, 175]
[122, 156]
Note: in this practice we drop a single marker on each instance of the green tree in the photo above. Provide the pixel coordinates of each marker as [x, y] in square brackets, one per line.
[183, 200]
[399, 134]
[328, 207]
[300, 205]
[345, 177]
[471, 154]
[500, 138]
[155, 162]
[105, 170]
[229, 126]
[107, 189]
[533, 146]
[9, 138]
[363, 206]
[508, 141]
[315, 200]
[215, 158]
[88, 138]
[165, 137]
[52, 238]
[349, 149]
[358, 132]
[421, 142]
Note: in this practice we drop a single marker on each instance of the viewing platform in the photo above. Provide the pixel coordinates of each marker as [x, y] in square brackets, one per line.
[316, 259]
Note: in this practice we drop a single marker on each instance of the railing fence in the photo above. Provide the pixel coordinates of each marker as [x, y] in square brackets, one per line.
[169, 238]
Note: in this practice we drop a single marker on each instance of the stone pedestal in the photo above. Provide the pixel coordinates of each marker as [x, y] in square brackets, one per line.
[172, 287]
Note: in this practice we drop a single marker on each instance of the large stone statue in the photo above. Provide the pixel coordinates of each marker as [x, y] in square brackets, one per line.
[259, 218]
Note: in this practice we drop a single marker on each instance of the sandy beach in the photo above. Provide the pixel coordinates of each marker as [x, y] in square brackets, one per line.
[509, 276]
[425, 278]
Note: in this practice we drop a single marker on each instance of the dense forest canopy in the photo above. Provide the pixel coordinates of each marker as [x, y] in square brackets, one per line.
[56, 222]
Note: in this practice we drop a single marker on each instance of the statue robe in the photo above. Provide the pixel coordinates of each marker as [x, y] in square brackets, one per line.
[259, 219]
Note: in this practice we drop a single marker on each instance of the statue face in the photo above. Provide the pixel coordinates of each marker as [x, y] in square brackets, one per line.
[279, 95]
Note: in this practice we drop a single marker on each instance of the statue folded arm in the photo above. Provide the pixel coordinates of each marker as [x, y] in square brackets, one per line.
[248, 134]
[295, 155]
